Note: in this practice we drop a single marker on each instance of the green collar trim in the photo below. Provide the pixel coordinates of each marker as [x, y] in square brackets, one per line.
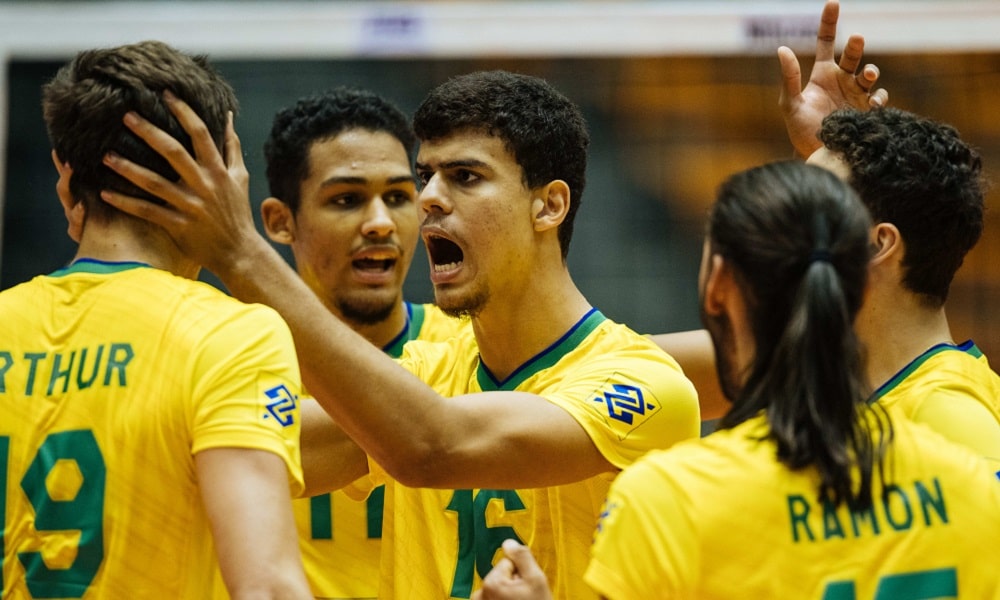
[544, 359]
[967, 346]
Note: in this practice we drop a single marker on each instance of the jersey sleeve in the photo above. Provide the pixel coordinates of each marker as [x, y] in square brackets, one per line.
[630, 403]
[246, 389]
[960, 416]
[646, 543]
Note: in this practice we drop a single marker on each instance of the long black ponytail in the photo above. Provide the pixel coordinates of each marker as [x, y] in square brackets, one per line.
[797, 238]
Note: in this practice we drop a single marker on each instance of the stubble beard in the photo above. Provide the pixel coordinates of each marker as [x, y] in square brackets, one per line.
[366, 311]
[466, 306]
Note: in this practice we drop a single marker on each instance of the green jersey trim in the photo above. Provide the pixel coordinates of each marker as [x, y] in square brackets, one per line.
[967, 346]
[411, 330]
[544, 359]
[100, 267]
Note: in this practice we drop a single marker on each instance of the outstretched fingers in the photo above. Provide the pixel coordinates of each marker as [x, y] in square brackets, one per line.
[826, 36]
[791, 75]
[854, 50]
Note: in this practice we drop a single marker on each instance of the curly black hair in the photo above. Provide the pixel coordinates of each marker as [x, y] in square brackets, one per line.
[322, 117]
[543, 130]
[917, 174]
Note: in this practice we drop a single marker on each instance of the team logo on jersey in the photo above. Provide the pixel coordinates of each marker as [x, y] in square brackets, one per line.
[281, 406]
[626, 405]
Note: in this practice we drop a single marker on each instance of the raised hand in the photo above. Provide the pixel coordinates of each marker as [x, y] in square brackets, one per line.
[516, 576]
[832, 85]
[207, 212]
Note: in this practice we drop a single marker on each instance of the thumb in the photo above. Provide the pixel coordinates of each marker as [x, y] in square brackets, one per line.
[791, 75]
[524, 562]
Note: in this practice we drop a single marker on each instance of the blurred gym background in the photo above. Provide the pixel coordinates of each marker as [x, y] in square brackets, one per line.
[678, 95]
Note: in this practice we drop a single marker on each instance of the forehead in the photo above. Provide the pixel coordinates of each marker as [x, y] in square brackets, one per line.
[465, 146]
[358, 150]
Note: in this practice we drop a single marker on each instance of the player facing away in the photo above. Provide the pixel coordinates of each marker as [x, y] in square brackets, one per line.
[148, 417]
[343, 198]
[806, 490]
[923, 186]
[515, 428]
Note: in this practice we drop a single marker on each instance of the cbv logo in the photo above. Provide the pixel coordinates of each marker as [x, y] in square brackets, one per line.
[624, 403]
[282, 405]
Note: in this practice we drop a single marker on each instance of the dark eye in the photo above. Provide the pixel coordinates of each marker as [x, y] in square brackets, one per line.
[397, 198]
[423, 177]
[346, 200]
[466, 176]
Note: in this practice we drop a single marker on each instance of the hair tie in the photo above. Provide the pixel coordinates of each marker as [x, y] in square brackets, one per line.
[821, 254]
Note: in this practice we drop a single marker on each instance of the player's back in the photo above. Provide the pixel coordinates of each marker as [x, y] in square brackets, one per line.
[954, 391]
[107, 383]
[720, 517]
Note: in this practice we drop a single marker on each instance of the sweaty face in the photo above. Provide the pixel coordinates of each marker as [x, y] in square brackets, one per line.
[477, 224]
[357, 224]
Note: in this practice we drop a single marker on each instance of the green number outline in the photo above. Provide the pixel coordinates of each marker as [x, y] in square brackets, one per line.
[83, 513]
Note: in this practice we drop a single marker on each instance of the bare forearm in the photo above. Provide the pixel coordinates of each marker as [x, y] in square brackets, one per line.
[375, 401]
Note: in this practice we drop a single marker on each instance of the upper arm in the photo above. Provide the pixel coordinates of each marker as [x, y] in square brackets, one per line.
[694, 352]
[247, 501]
[505, 440]
[595, 417]
[962, 419]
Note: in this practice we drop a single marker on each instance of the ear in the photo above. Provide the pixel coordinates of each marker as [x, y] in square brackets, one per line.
[887, 244]
[75, 211]
[550, 205]
[719, 284]
[279, 222]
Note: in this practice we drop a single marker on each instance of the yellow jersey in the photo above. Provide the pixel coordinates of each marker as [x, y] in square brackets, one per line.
[113, 376]
[339, 536]
[952, 390]
[628, 395]
[720, 518]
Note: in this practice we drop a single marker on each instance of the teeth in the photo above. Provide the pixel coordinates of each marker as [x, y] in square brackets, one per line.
[445, 267]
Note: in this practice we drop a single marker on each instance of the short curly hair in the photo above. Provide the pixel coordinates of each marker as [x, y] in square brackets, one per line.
[323, 117]
[543, 130]
[917, 174]
[84, 103]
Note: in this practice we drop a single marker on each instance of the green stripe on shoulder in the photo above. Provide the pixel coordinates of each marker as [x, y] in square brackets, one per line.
[967, 347]
[544, 359]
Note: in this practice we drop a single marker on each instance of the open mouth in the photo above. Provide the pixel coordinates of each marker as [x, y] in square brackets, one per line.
[445, 254]
[372, 264]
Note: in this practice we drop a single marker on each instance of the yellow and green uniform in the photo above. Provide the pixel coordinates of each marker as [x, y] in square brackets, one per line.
[721, 518]
[113, 376]
[952, 390]
[623, 390]
[339, 537]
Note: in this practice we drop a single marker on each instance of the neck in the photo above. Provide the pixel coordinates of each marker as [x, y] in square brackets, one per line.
[381, 333]
[120, 241]
[514, 327]
[895, 329]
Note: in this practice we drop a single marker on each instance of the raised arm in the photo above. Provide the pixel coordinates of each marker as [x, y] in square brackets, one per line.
[832, 85]
[416, 435]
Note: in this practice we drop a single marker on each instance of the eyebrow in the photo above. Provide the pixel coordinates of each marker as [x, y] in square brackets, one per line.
[362, 180]
[467, 162]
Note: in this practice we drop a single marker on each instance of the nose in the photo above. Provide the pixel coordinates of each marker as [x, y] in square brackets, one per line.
[433, 196]
[378, 219]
